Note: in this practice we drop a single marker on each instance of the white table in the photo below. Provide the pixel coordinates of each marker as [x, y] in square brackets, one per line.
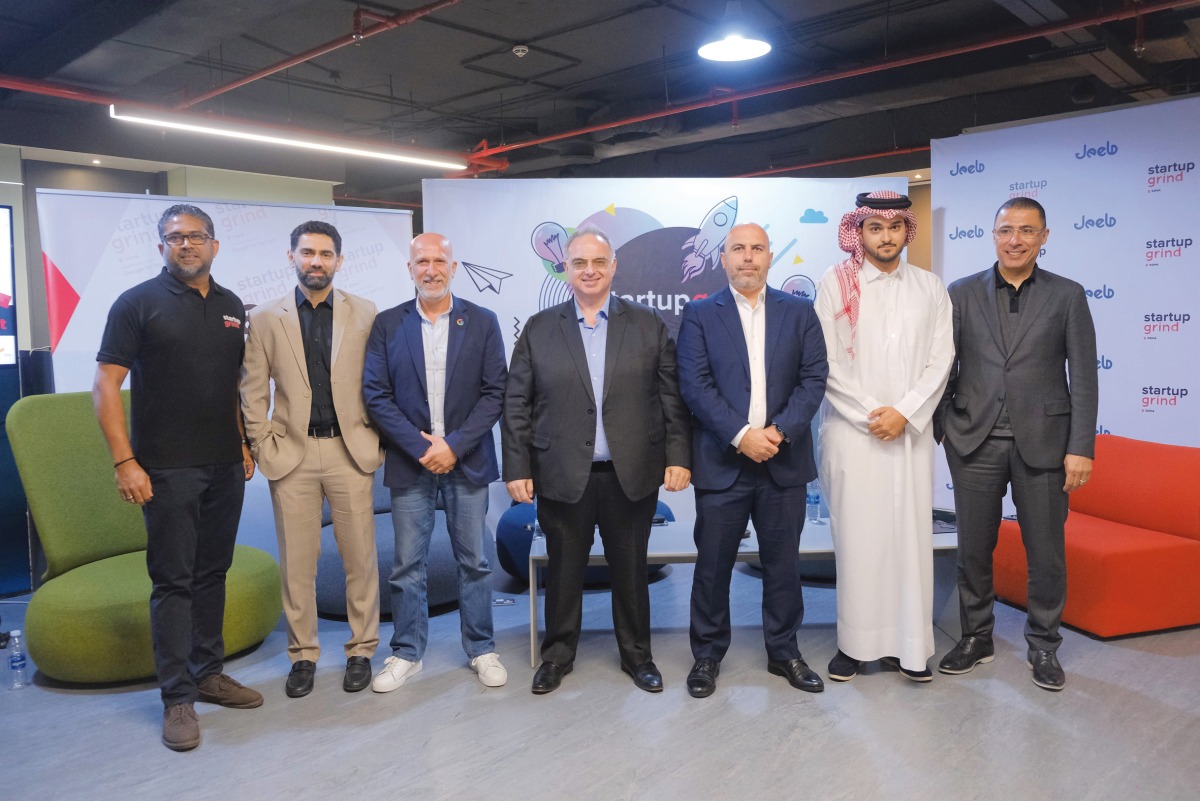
[673, 543]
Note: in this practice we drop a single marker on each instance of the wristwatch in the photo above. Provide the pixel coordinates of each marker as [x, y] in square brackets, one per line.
[782, 433]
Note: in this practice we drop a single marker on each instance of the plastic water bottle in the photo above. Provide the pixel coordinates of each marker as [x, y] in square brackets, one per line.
[18, 674]
[813, 502]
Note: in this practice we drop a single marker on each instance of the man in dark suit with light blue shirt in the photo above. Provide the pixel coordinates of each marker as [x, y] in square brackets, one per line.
[752, 369]
[593, 425]
[1019, 410]
[433, 384]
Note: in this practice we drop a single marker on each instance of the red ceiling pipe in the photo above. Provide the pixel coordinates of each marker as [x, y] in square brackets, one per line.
[828, 162]
[360, 33]
[57, 90]
[720, 100]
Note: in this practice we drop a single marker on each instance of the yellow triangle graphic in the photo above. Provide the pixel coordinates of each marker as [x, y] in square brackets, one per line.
[612, 209]
[797, 260]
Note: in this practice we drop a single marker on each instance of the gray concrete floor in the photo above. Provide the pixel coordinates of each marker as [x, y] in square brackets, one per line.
[1126, 727]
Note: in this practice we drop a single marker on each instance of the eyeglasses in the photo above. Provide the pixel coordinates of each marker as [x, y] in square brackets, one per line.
[1025, 232]
[197, 238]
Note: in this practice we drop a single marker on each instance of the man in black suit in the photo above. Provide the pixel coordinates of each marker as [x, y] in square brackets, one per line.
[1020, 409]
[593, 425]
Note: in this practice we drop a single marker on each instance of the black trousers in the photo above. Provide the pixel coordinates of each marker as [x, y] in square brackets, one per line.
[625, 531]
[191, 526]
[721, 517]
[980, 481]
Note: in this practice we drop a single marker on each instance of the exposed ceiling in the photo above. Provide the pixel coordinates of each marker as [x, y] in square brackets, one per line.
[607, 87]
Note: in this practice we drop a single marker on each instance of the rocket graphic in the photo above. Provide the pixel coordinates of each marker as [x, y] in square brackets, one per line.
[706, 244]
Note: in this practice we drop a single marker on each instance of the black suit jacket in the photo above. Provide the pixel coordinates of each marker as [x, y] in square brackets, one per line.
[1048, 380]
[549, 425]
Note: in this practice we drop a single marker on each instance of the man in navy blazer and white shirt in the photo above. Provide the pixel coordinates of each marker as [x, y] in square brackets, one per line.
[433, 384]
[1019, 410]
[752, 369]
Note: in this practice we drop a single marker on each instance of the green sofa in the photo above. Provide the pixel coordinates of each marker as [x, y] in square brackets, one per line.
[89, 622]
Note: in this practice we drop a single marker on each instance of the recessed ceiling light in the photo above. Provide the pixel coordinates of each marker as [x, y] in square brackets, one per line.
[917, 176]
[95, 161]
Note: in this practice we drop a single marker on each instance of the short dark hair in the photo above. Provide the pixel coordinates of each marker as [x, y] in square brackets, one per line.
[317, 227]
[587, 229]
[186, 210]
[1019, 203]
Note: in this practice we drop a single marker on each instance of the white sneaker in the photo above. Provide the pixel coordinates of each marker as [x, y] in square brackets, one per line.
[491, 672]
[395, 672]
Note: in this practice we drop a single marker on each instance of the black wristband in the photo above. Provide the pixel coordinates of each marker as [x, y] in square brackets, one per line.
[123, 461]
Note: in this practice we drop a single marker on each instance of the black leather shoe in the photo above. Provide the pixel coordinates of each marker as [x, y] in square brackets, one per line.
[645, 676]
[912, 675]
[702, 681]
[548, 677]
[843, 668]
[1047, 673]
[963, 658]
[300, 679]
[358, 674]
[798, 674]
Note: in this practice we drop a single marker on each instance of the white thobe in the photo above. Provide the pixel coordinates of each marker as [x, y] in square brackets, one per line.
[880, 494]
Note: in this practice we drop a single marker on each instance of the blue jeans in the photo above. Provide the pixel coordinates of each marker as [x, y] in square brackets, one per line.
[412, 519]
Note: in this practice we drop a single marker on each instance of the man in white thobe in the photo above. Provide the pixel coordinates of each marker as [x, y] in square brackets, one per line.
[889, 335]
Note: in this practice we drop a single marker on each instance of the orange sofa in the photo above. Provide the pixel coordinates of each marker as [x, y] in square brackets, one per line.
[1133, 542]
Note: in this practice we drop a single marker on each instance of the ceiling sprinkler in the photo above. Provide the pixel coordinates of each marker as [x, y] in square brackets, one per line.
[520, 51]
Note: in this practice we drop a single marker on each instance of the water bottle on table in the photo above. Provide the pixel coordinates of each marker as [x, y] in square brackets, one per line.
[813, 503]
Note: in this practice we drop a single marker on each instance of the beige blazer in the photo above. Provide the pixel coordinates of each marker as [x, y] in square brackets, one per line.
[275, 352]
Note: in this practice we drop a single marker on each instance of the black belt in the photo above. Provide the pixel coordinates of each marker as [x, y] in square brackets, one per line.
[324, 432]
[602, 467]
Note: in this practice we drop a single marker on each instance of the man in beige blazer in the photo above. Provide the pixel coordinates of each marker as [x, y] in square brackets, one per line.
[316, 444]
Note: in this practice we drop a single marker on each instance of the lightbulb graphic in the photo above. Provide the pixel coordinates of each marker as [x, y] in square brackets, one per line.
[549, 242]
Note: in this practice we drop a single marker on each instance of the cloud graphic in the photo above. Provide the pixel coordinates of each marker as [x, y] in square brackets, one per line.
[814, 216]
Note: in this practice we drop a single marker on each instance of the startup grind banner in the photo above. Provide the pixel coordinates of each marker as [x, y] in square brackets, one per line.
[1120, 190]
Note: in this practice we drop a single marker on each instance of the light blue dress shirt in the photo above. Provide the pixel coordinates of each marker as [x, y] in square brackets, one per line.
[595, 345]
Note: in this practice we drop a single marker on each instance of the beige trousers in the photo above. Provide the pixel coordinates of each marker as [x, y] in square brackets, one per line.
[327, 472]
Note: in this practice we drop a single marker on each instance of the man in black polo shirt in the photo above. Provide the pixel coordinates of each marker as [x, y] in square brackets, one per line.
[180, 336]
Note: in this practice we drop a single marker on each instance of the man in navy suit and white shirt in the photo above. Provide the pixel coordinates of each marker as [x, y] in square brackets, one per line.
[433, 384]
[752, 369]
[1019, 410]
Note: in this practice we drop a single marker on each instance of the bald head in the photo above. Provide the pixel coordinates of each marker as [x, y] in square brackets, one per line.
[430, 240]
[431, 264]
[746, 257]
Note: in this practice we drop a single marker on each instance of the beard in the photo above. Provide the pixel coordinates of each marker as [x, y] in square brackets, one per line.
[432, 293]
[880, 259]
[311, 280]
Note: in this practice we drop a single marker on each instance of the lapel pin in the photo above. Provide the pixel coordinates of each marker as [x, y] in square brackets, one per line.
[459, 322]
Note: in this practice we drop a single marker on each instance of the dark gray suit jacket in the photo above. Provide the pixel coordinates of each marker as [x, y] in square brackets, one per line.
[1048, 380]
[549, 424]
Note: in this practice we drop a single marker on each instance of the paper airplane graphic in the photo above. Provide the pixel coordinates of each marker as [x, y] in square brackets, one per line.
[485, 277]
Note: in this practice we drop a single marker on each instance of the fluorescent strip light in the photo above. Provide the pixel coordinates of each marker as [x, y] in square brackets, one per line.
[272, 139]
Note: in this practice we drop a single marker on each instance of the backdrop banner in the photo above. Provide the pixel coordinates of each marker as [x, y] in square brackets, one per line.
[1120, 190]
[96, 245]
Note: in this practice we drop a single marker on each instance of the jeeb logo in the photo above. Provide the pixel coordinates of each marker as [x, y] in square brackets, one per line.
[1105, 220]
[1154, 398]
[1104, 292]
[1161, 175]
[1155, 324]
[968, 169]
[1099, 151]
[1100, 429]
[1161, 250]
[967, 233]
[1103, 362]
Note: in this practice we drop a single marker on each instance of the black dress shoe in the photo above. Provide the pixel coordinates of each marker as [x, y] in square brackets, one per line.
[358, 674]
[548, 677]
[969, 652]
[702, 681]
[1047, 673]
[645, 676]
[797, 672]
[300, 679]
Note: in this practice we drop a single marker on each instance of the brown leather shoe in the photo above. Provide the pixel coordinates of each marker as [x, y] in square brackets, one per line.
[226, 691]
[181, 727]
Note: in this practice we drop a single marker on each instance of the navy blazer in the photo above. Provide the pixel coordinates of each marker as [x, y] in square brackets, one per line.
[397, 398]
[714, 379]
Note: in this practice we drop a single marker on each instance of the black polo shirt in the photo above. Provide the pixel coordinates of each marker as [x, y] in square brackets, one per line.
[184, 353]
